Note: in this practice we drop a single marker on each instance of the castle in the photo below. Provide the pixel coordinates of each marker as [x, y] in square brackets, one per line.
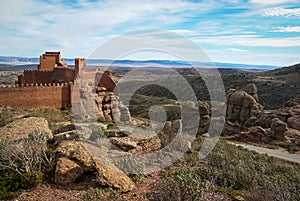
[53, 84]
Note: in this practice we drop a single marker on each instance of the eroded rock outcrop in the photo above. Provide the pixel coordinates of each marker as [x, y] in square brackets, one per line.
[100, 103]
[74, 159]
[247, 119]
[278, 129]
[242, 105]
[109, 106]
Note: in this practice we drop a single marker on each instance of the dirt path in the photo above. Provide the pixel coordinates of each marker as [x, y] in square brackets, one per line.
[272, 152]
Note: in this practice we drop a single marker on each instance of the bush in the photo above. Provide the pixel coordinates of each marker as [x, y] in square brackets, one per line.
[181, 185]
[134, 168]
[238, 169]
[97, 132]
[21, 163]
[24, 156]
[233, 171]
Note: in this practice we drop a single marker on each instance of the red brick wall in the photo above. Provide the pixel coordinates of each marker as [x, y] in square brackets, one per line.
[48, 62]
[45, 77]
[34, 76]
[36, 96]
[63, 74]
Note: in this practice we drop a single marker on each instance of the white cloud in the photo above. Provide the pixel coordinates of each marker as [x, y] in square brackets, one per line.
[248, 41]
[287, 29]
[73, 29]
[270, 2]
[287, 12]
[268, 58]
[236, 50]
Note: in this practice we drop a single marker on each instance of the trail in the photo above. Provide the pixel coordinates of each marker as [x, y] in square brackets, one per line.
[271, 152]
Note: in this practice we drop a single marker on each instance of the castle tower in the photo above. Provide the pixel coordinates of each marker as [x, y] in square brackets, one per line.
[80, 64]
[51, 60]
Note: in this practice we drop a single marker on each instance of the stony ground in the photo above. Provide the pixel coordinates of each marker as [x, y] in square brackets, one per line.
[53, 192]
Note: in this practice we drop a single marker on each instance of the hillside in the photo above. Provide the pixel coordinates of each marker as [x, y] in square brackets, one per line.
[284, 81]
[283, 71]
[275, 87]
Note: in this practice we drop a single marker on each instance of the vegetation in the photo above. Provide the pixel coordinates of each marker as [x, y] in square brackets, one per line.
[284, 81]
[6, 116]
[52, 115]
[234, 171]
[22, 163]
[132, 167]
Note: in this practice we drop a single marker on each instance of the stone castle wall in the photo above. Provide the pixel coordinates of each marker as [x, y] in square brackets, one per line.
[38, 76]
[36, 96]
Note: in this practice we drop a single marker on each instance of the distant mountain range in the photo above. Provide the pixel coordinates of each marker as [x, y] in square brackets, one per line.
[26, 62]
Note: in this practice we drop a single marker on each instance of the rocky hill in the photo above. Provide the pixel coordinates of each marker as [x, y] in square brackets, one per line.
[283, 71]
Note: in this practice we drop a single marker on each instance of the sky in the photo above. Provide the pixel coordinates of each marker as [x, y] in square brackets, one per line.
[265, 32]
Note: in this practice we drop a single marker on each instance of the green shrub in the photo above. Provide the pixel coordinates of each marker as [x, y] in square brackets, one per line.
[97, 132]
[233, 171]
[134, 168]
[11, 182]
[239, 169]
[181, 185]
[22, 163]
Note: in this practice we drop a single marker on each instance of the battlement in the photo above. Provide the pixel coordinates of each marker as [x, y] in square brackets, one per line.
[37, 85]
[55, 95]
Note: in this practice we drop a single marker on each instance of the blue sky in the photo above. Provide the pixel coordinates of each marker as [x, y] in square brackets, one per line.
[234, 31]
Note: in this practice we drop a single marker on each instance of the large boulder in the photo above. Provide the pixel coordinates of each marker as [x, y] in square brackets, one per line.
[136, 145]
[67, 171]
[252, 90]
[76, 158]
[243, 105]
[76, 151]
[24, 129]
[278, 128]
[231, 128]
[294, 122]
[257, 130]
[110, 175]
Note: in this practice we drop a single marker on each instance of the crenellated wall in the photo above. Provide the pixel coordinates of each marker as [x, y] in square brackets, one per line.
[47, 76]
[54, 95]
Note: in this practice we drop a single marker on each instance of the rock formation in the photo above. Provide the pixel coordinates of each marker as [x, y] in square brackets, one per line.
[109, 107]
[101, 104]
[278, 128]
[246, 118]
[242, 105]
[74, 159]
